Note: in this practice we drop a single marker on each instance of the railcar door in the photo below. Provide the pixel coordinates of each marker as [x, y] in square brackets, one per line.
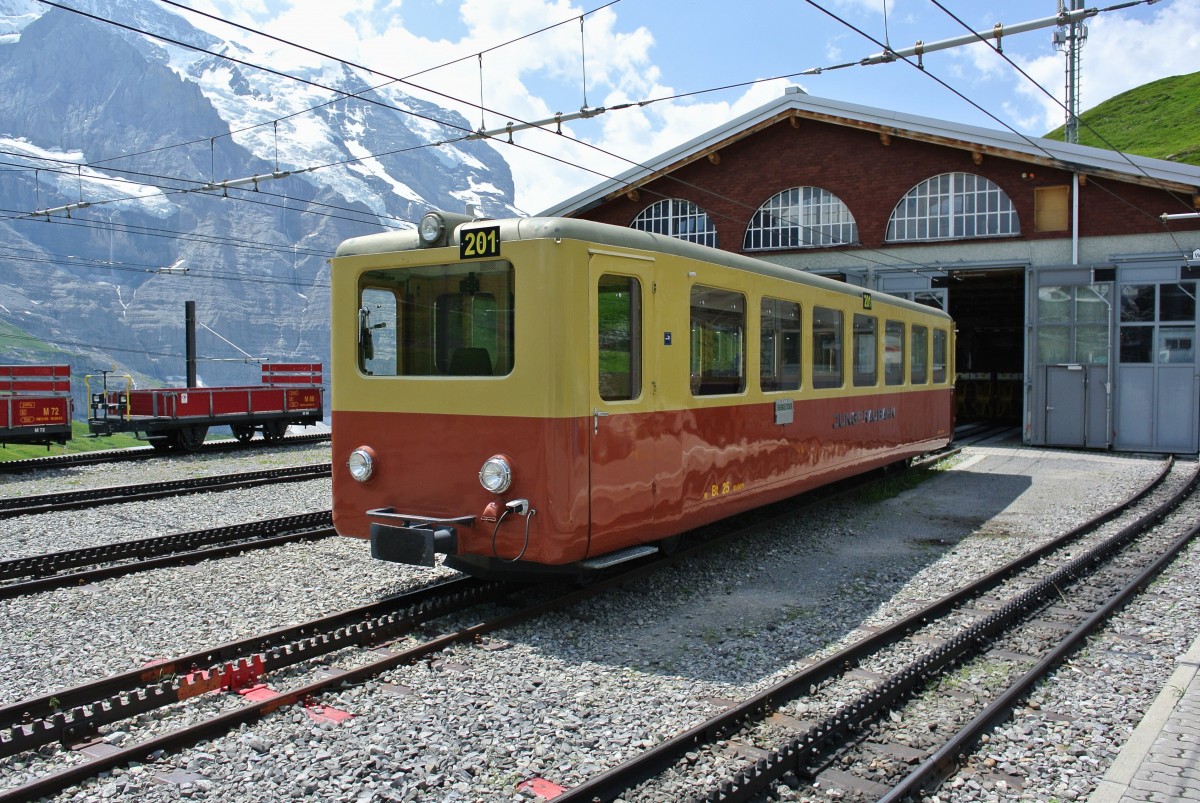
[621, 387]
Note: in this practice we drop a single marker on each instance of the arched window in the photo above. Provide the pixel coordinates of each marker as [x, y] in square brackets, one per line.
[802, 217]
[676, 217]
[953, 206]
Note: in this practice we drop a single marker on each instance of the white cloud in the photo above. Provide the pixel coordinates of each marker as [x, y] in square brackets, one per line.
[1120, 53]
[549, 72]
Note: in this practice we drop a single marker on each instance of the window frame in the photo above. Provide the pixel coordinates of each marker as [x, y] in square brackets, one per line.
[778, 378]
[717, 340]
[865, 348]
[801, 217]
[953, 206]
[828, 320]
[678, 218]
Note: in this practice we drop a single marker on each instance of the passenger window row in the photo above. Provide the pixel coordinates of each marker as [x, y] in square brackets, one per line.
[718, 320]
[718, 344]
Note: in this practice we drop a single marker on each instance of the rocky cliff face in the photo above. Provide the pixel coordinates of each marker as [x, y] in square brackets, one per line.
[92, 113]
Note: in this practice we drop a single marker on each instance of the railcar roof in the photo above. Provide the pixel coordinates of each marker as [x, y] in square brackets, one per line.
[546, 228]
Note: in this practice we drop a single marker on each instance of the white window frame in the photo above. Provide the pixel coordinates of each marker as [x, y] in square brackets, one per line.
[678, 218]
[801, 217]
[953, 206]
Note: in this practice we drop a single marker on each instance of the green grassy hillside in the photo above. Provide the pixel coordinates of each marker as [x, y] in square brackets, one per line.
[1160, 119]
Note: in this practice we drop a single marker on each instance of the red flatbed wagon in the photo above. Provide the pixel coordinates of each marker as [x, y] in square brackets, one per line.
[35, 404]
[290, 393]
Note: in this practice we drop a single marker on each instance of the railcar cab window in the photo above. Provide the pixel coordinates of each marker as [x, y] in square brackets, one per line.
[779, 345]
[827, 348]
[452, 320]
[619, 337]
[893, 352]
[718, 337]
[919, 367]
[940, 355]
[866, 339]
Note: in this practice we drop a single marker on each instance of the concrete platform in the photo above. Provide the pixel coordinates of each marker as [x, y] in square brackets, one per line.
[1161, 760]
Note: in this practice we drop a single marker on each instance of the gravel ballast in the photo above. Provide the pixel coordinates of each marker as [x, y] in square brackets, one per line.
[573, 693]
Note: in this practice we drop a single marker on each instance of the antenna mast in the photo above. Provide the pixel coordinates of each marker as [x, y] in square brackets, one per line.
[1069, 38]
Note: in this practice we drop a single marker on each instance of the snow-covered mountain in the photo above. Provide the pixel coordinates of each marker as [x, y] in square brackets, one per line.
[134, 126]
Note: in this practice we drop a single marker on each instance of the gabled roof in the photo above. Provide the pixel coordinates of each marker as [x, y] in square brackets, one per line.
[988, 142]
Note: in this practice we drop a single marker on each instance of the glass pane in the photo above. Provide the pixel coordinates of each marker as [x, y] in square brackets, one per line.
[1054, 304]
[919, 369]
[893, 353]
[865, 340]
[1091, 303]
[1176, 344]
[619, 335]
[1177, 302]
[1136, 343]
[718, 343]
[466, 333]
[1054, 344]
[377, 315]
[940, 355]
[779, 352]
[827, 348]
[1137, 303]
[458, 319]
[1091, 344]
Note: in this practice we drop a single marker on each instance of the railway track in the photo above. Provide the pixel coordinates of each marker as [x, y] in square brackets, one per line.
[69, 716]
[146, 453]
[93, 497]
[848, 733]
[72, 716]
[38, 573]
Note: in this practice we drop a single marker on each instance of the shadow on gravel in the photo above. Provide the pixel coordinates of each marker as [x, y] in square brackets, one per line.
[746, 611]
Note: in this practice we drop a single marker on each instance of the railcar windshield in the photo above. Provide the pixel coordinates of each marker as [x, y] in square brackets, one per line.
[453, 320]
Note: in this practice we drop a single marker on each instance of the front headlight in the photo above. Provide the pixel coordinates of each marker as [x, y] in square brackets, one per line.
[496, 475]
[431, 228]
[361, 463]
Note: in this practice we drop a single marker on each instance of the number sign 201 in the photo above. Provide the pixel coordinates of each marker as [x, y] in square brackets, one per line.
[483, 242]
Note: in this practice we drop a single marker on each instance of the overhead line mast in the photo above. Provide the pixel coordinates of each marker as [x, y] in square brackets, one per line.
[1069, 38]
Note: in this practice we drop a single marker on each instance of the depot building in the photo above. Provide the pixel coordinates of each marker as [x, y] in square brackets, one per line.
[1070, 271]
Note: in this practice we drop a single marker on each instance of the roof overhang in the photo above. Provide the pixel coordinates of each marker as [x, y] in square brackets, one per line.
[796, 107]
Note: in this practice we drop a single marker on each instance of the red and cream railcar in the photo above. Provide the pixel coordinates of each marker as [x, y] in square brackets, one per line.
[35, 404]
[558, 395]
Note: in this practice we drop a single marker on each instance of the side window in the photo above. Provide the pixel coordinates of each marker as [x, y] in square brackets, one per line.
[378, 313]
[619, 335]
[940, 355]
[780, 345]
[919, 367]
[865, 340]
[893, 352]
[827, 348]
[718, 336]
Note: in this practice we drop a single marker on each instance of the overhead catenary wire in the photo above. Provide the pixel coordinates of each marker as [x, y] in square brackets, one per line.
[1032, 143]
[1067, 17]
[509, 129]
[346, 95]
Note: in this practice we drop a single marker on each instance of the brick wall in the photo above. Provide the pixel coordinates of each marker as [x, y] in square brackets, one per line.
[870, 177]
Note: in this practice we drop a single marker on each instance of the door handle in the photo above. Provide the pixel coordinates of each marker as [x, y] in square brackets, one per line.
[596, 416]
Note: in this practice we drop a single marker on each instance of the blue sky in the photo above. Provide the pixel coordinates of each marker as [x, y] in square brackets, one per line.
[637, 50]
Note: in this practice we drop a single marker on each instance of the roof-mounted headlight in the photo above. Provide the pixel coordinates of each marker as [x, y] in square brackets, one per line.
[436, 229]
[361, 463]
[496, 475]
[431, 229]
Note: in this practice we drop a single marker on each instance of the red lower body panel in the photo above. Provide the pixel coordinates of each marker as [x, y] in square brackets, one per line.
[598, 485]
